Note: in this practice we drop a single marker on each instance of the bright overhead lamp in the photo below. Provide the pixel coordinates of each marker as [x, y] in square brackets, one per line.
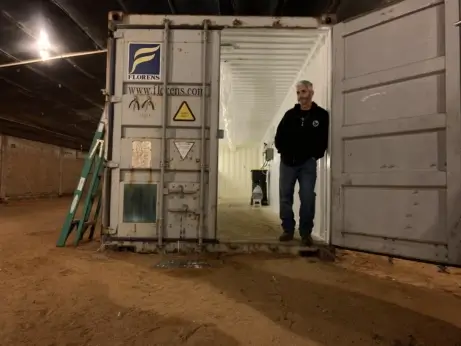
[43, 45]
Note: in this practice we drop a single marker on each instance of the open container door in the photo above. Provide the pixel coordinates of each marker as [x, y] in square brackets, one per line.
[396, 165]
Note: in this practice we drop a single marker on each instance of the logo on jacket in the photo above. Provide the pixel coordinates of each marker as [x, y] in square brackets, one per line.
[315, 123]
[144, 61]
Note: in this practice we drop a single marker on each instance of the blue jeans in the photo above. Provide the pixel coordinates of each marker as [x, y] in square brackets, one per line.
[306, 175]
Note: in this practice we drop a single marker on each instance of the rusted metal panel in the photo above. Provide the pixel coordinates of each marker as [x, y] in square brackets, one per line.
[217, 22]
[236, 247]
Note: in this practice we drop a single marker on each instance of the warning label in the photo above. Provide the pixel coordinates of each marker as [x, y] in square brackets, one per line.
[183, 148]
[184, 113]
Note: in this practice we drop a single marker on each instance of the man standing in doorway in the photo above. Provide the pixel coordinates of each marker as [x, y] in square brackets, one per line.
[301, 139]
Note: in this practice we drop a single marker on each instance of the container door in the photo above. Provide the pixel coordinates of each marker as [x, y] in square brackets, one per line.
[164, 137]
[396, 158]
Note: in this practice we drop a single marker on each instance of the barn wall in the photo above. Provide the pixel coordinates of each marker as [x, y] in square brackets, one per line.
[31, 169]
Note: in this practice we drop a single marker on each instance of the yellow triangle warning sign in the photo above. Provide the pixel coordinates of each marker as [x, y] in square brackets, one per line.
[184, 113]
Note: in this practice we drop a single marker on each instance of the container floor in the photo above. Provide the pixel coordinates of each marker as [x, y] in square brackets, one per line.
[79, 296]
[238, 221]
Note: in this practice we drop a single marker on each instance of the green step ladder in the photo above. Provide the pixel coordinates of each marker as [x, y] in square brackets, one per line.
[94, 163]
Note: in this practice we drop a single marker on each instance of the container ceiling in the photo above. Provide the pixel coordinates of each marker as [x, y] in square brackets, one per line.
[259, 68]
[60, 102]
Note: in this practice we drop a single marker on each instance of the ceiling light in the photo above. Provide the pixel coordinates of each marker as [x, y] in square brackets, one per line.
[43, 45]
[44, 54]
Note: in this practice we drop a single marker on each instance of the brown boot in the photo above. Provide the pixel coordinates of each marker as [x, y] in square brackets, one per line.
[307, 241]
[286, 236]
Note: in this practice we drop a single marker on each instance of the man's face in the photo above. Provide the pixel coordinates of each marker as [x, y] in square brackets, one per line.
[305, 93]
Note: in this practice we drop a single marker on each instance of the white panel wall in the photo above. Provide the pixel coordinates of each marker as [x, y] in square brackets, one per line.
[318, 71]
[234, 179]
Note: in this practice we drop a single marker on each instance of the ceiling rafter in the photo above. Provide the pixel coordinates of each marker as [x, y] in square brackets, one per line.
[29, 33]
[172, 7]
[85, 30]
[44, 75]
[123, 6]
[280, 6]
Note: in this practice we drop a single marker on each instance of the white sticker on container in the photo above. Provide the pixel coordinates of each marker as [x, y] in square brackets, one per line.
[141, 154]
[183, 148]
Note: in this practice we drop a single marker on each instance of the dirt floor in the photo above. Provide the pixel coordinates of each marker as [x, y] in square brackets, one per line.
[79, 296]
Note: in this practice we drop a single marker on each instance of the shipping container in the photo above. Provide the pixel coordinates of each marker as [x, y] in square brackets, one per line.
[391, 181]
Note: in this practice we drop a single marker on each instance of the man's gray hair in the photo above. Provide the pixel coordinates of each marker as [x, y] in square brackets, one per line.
[305, 83]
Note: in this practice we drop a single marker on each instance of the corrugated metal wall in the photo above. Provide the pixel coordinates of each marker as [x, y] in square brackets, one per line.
[318, 72]
[234, 180]
[30, 169]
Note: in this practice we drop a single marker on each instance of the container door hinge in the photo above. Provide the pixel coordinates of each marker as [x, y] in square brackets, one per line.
[111, 164]
[115, 99]
[118, 34]
[109, 231]
[220, 134]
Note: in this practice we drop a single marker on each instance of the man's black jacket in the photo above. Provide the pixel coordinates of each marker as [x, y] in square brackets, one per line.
[302, 135]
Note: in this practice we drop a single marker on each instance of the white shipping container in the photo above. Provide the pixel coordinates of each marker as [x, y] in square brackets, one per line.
[394, 158]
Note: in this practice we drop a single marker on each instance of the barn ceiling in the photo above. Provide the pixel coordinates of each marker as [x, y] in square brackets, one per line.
[60, 101]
